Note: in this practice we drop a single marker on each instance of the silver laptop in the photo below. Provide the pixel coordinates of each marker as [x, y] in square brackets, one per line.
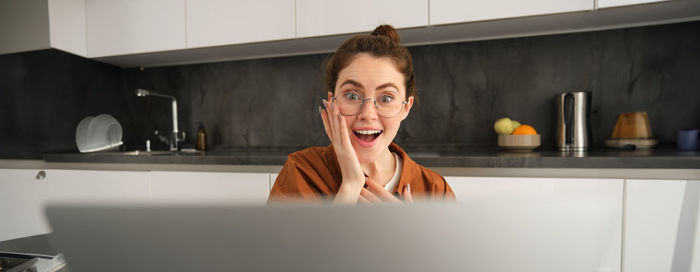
[417, 237]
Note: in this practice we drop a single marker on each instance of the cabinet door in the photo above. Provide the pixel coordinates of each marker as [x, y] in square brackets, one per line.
[86, 186]
[457, 11]
[661, 225]
[329, 17]
[617, 3]
[546, 224]
[21, 204]
[118, 27]
[273, 178]
[209, 187]
[34, 25]
[67, 25]
[221, 22]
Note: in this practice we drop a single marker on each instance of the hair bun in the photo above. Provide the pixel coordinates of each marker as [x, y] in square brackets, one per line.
[387, 31]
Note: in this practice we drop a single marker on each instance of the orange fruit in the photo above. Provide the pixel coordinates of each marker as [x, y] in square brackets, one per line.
[524, 130]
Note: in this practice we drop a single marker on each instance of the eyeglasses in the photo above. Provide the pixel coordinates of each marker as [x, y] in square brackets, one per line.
[387, 103]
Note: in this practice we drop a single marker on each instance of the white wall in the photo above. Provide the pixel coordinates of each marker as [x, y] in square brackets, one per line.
[24, 25]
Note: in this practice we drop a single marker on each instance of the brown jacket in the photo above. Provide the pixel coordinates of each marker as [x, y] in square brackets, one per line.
[314, 174]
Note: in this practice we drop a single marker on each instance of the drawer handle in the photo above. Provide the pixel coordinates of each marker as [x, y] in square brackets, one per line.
[41, 175]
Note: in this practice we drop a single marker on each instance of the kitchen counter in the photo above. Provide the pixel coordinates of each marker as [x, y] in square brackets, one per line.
[658, 158]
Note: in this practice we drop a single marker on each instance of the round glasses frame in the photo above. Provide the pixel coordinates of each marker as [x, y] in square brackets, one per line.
[362, 103]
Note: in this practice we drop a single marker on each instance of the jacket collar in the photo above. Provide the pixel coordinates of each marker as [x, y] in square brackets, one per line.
[409, 171]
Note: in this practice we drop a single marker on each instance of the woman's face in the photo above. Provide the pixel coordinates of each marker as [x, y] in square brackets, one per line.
[371, 76]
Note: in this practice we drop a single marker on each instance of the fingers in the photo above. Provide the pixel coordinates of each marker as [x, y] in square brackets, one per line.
[407, 197]
[362, 199]
[376, 194]
[369, 196]
[380, 192]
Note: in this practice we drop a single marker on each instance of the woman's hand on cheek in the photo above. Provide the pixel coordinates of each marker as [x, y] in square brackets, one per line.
[337, 131]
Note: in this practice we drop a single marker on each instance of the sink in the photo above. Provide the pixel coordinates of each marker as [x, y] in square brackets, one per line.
[144, 153]
[157, 153]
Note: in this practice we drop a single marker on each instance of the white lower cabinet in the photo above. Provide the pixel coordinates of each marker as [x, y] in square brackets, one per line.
[536, 224]
[273, 178]
[619, 3]
[209, 187]
[96, 186]
[545, 224]
[23, 194]
[21, 204]
[661, 226]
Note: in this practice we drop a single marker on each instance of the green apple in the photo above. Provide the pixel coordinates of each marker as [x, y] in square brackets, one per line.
[516, 124]
[503, 126]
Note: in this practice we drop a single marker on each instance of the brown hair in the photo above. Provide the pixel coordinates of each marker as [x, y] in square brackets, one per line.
[383, 42]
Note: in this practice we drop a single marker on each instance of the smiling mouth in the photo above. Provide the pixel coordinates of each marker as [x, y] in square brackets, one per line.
[367, 135]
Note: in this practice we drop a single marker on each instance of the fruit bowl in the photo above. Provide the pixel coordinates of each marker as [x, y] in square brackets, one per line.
[523, 143]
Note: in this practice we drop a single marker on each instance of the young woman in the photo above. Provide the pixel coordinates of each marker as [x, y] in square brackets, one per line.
[371, 89]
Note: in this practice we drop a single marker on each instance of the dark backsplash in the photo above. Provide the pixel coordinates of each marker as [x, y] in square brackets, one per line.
[44, 95]
[462, 88]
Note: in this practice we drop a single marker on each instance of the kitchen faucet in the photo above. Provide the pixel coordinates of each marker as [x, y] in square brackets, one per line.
[174, 135]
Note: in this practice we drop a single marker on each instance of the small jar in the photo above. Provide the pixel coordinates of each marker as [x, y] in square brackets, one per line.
[201, 138]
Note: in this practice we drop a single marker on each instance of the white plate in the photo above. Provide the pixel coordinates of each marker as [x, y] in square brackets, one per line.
[99, 133]
[81, 139]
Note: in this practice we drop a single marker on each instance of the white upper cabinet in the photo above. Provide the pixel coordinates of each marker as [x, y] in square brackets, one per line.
[222, 22]
[67, 25]
[330, 17]
[42, 24]
[195, 31]
[458, 11]
[117, 27]
[617, 3]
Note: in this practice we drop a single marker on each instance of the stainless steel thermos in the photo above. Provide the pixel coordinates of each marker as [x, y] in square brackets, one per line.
[574, 121]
